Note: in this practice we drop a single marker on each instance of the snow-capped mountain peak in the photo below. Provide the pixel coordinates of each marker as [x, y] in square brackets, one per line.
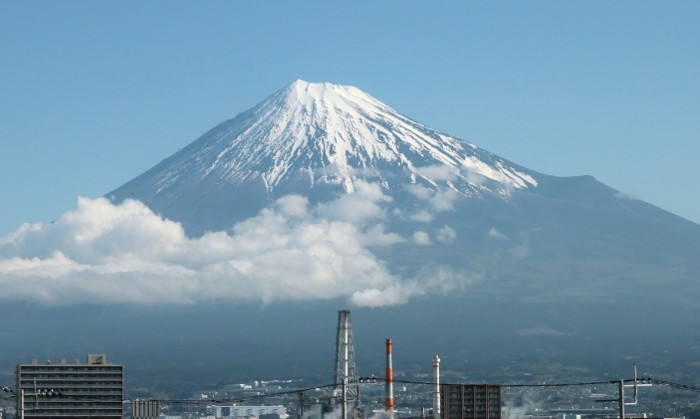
[333, 134]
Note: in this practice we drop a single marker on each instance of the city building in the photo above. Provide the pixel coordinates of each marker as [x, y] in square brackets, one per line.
[92, 390]
[145, 409]
[470, 401]
[235, 411]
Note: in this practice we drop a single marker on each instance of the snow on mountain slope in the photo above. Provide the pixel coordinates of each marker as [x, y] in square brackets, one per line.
[328, 134]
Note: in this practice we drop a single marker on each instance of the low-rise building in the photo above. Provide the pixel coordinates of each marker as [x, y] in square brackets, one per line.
[234, 411]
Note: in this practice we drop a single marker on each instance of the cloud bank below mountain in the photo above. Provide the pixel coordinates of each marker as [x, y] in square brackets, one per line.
[102, 252]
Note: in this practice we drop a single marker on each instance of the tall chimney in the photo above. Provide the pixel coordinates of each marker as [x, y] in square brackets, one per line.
[389, 383]
[436, 387]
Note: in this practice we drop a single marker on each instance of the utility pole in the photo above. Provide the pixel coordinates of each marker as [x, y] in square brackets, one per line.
[301, 404]
[621, 393]
[22, 395]
[21, 403]
[622, 399]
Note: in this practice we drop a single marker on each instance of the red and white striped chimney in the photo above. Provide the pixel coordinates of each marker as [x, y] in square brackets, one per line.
[389, 383]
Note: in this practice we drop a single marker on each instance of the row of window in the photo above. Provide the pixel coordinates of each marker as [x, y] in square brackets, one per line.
[73, 376]
[480, 392]
[70, 408]
[475, 391]
[55, 367]
[470, 408]
[68, 391]
[475, 401]
[73, 413]
[70, 374]
[68, 384]
[79, 401]
[471, 394]
[474, 408]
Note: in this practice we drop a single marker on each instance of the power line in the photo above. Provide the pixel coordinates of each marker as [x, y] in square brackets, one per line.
[676, 385]
[589, 383]
[303, 390]
[292, 392]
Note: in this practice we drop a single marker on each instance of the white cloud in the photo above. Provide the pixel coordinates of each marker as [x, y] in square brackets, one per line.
[519, 245]
[420, 191]
[293, 206]
[378, 237]
[521, 249]
[543, 331]
[422, 238]
[493, 233]
[422, 216]
[334, 169]
[627, 195]
[359, 207]
[446, 235]
[438, 172]
[444, 200]
[473, 176]
[102, 252]
[431, 202]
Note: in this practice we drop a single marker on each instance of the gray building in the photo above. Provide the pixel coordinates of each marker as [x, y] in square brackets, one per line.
[94, 389]
[145, 409]
[470, 401]
[234, 411]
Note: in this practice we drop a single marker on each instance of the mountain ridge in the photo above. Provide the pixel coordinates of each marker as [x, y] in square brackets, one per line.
[265, 159]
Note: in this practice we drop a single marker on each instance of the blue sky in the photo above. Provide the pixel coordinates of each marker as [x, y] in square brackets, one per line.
[94, 93]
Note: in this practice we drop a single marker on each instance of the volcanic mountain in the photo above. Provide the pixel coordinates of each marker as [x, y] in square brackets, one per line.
[465, 207]
[496, 267]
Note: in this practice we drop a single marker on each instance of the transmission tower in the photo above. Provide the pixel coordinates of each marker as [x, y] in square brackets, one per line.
[346, 378]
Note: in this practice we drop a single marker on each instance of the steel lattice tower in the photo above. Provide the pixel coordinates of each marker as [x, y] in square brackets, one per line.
[345, 368]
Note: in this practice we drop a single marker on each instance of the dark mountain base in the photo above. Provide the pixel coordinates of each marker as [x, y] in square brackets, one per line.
[175, 350]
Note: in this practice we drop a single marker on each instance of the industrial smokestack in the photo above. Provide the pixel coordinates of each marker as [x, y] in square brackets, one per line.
[436, 387]
[389, 383]
[346, 379]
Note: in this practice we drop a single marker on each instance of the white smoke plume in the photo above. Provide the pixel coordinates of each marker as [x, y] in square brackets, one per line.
[434, 280]
[381, 414]
[521, 407]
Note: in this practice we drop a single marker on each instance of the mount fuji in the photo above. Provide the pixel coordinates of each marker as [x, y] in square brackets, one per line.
[512, 230]
[321, 197]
